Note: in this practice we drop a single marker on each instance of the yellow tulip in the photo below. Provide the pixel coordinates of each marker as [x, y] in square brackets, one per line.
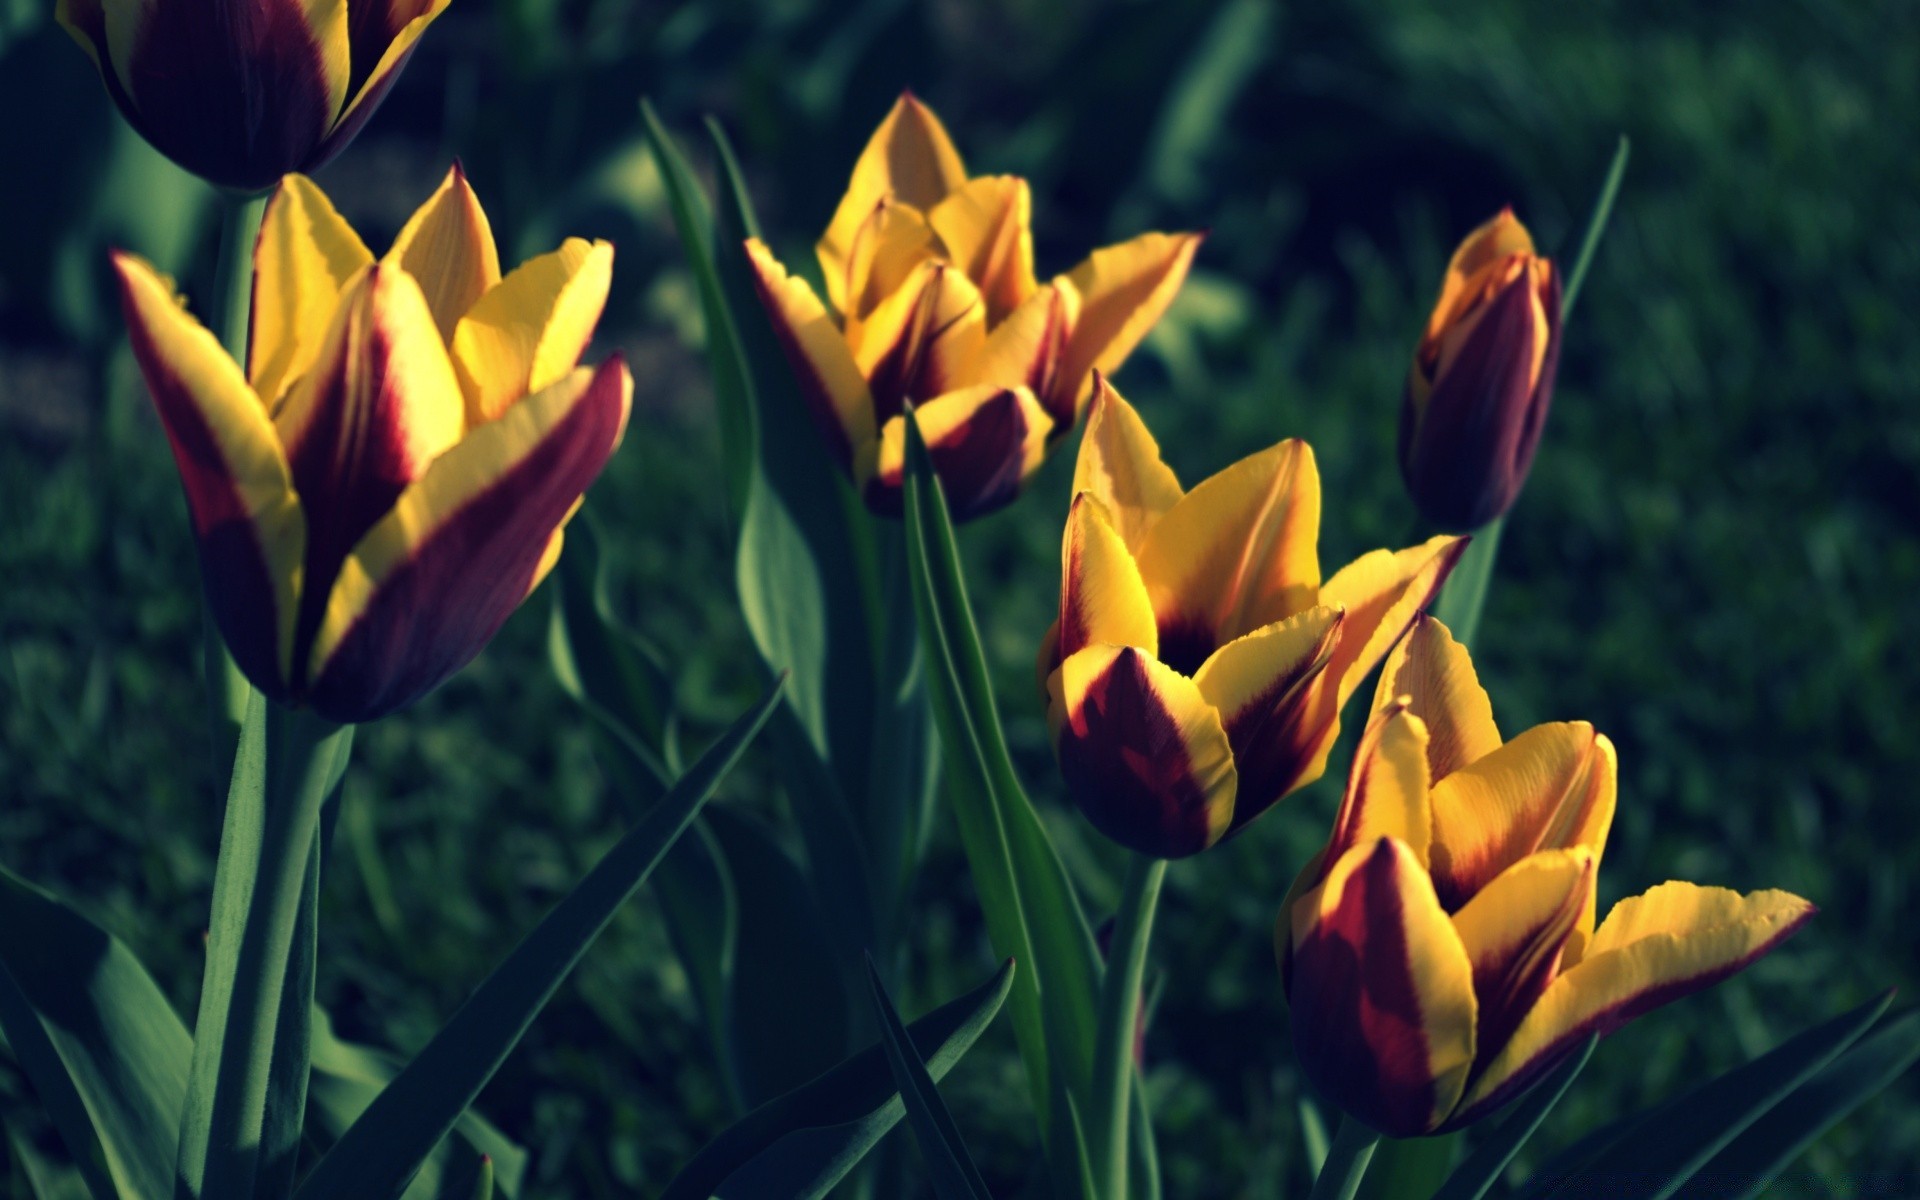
[934, 302]
[240, 92]
[1440, 953]
[1198, 667]
[387, 480]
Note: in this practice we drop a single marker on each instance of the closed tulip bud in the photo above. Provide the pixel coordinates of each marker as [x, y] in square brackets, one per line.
[388, 478]
[934, 303]
[1482, 378]
[1440, 954]
[1198, 668]
[241, 92]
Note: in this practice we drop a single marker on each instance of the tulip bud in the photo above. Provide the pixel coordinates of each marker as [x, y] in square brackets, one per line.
[241, 92]
[1477, 396]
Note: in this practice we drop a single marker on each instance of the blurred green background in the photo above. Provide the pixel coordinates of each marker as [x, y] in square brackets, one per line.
[1716, 560]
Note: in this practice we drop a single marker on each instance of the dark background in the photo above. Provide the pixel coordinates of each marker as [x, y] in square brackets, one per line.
[1715, 561]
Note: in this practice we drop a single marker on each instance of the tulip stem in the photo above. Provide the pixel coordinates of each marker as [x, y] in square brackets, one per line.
[1346, 1163]
[1119, 1013]
[1465, 593]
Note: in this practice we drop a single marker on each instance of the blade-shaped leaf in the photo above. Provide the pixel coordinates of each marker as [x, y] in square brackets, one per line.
[381, 1151]
[1473, 1177]
[799, 1146]
[954, 1175]
[93, 1030]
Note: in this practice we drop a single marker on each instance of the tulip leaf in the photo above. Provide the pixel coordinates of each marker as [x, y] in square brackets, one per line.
[1031, 911]
[1483, 1167]
[1653, 1154]
[97, 1038]
[954, 1175]
[800, 1145]
[1751, 1162]
[1596, 225]
[381, 1151]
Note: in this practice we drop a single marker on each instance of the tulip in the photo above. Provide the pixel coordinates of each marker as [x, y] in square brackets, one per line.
[1440, 953]
[388, 479]
[1482, 378]
[1198, 667]
[241, 92]
[934, 303]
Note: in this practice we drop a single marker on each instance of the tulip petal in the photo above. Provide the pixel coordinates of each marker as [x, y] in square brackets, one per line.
[1550, 788]
[1386, 793]
[1102, 598]
[893, 240]
[447, 246]
[430, 584]
[1382, 993]
[835, 390]
[1120, 464]
[1261, 684]
[1143, 753]
[528, 331]
[1515, 930]
[374, 26]
[369, 87]
[1437, 673]
[921, 340]
[1499, 239]
[1025, 348]
[1237, 553]
[247, 520]
[303, 260]
[984, 443]
[909, 158]
[1121, 293]
[1653, 949]
[986, 227]
[1381, 591]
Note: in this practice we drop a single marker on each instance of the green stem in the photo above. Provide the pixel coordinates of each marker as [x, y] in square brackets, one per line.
[1596, 225]
[1346, 1163]
[1119, 1011]
[233, 304]
[1465, 594]
[288, 762]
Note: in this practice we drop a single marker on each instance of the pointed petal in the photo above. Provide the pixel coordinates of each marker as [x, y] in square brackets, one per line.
[1485, 248]
[239, 490]
[910, 158]
[1550, 788]
[1142, 752]
[1382, 591]
[447, 245]
[984, 442]
[986, 227]
[1437, 673]
[921, 341]
[831, 381]
[1652, 950]
[1121, 291]
[374, 26]
[1025, 347]
[1120, 465]
[302, 261]
[1382, 993]
[1236, 553]
[368, 89]
[529, 330]
[887, 247]
[1515, 930]
[1387, 788]
[430, 584]
[1262, 685]
[1101, 596]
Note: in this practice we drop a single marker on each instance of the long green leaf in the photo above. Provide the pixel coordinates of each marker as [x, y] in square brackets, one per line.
[104, 1050]
[954, 1175]
[381, 1151]
[799, 1146]
[1472, 1178]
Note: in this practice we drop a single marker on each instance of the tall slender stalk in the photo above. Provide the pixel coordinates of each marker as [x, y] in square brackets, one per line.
[1346, 1163]
[1119, 1014]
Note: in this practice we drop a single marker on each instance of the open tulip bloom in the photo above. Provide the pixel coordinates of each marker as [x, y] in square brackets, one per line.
[388, 479]
[1482, 378]
[934, 303]
[1440, 953]
[1198, 667]
[240, 92]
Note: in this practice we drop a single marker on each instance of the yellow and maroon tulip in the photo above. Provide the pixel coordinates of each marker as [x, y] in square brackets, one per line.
[1198, 667]
[241, 92]
[1440, 954]
[932, 300]
[388, 479]
[1482, 378]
